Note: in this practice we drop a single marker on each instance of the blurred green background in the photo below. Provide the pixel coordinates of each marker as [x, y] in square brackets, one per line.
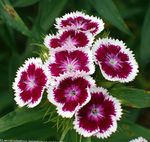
[23, 23]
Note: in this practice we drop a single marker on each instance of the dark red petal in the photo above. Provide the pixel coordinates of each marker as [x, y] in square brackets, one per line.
[61, 56]
[25, 96]
[55, 70]
[59, 96]
[109, 108]
[36, 94]
[31, 69]
[105, 124]
[54, 43]
[70, 106]
[40, 77]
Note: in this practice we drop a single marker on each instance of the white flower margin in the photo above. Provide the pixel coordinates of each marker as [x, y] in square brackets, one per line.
[139, 139]
[67, 46]
[125, 50]
[94, 19]
[96, 132]
[51, 98]
[38, 64]
[88, 53]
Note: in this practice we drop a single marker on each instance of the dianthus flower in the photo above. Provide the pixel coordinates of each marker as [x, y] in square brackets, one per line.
[70, 93]
[30, 82]
[116, 62]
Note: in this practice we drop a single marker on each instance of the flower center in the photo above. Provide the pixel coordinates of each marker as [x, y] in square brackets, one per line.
[113, 60]
[69, 65]
[30, 83]
[96, 112]
[72, 92]
[70, 68]
[70, 42]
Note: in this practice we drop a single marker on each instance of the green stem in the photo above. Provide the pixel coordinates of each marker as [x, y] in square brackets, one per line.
[64, 134]
[89, 139]
[80, 139]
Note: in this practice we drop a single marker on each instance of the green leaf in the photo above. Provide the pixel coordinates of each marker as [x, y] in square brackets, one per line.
[127, 130]
[108, 10]
[132, 97]
[10, 16]
[145, 40]
[23, 3]
[5, 100]
[19, 117]
[48, 11]
[36, 130]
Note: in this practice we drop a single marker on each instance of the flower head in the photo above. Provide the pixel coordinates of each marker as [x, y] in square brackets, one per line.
[30, 83]
[117, 63]
[80, 22]
[65, 61]
[99, 116]
[139, 139]
[70, 93]
[69, 39]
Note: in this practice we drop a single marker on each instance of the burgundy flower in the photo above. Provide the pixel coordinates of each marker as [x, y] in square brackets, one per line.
[30, 83]
[139, 139]
[69, 39]
[80, 22]
[65, 61]
[99, 116]
[70, 93]
[117, 63]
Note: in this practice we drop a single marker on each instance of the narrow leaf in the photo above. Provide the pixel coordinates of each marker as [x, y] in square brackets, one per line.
[23, 3]
[10, 16]
[145, 40]
[36, 130]
[132, 97]
[19, 117]
[108, 10]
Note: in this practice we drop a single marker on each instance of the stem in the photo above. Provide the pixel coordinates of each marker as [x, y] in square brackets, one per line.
[64, 134]
[80, 139]
[89, 139]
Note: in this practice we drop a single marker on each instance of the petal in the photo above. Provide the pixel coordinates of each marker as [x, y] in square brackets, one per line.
[108, 127]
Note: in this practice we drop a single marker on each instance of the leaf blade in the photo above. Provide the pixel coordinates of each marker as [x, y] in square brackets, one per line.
[19, 117]
[132, 97]
[108, 10]
[11, 17]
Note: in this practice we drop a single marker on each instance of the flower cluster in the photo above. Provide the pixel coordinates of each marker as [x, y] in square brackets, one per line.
[66, 75]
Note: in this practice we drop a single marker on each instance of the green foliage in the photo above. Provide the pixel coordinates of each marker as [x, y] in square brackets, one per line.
[10, 16]
[145, 39]
[132, 97]
[23, 24]
[108, 11]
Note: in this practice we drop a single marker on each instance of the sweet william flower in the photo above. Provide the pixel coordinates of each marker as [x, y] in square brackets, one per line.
[116, 62]
[30, 82]
[69, 39]
[65, 61]
[70, 93]
[139, 139]
[99, 116]
[79, 21]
